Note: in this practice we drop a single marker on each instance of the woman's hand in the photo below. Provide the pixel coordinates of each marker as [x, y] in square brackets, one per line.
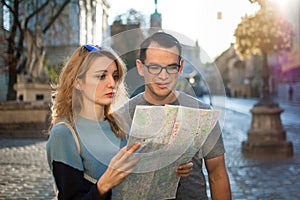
[119, 167]
[184, 169]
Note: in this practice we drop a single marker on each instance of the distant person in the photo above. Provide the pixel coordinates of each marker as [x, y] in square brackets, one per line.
[86, 149]
[160, 63]
[291, 92]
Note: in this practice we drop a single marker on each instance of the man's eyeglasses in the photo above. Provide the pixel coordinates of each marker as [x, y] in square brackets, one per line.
[156, 69]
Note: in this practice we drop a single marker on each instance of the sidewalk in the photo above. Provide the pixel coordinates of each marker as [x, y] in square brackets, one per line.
[25, 173]
[260, 178]
[24, 170]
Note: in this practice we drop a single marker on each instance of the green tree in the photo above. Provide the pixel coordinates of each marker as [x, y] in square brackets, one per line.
[21, 15]
[263, 33]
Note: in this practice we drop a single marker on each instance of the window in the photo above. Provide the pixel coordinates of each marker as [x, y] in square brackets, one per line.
[7, 17]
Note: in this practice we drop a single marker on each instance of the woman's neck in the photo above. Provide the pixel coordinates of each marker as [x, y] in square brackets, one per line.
[96, 113]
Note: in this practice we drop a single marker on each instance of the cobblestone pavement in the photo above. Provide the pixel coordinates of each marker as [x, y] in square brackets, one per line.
[25, 173]
[260, 178]
[24, 170]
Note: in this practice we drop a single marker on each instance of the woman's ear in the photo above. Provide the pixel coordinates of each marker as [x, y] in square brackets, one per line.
[77, 84]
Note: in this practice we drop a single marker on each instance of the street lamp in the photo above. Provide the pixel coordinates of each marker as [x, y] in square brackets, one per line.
[264, 33]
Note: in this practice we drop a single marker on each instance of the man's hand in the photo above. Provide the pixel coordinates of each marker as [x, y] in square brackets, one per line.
[184, 169]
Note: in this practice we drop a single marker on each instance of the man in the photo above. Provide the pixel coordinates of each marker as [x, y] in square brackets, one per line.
[160, 64]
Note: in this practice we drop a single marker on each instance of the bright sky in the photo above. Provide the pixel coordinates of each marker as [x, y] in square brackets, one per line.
[195, 19]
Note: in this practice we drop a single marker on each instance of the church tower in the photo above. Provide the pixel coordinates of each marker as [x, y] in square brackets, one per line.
[155, 20]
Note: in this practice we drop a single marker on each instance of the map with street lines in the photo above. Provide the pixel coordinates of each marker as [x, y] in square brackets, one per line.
[169, 136]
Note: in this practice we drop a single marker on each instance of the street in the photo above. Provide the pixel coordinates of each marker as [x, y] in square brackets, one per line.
[260, 178]
[25, 173]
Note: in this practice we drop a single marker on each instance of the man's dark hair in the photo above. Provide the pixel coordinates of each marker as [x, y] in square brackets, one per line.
[163, 39]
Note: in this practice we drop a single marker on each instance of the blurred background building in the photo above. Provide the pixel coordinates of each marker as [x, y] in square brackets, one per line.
[243, 78]
[191, 80]
[87, 22]
[81, 22]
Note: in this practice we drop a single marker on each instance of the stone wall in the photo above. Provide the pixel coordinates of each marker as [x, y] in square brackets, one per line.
[24, 119]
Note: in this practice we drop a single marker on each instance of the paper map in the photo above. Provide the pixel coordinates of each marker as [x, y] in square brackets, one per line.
[169, 136]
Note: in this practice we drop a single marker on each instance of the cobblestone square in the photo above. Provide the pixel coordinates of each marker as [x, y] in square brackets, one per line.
[25, 173]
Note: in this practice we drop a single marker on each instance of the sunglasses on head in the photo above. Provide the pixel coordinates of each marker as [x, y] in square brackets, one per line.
[92, 47]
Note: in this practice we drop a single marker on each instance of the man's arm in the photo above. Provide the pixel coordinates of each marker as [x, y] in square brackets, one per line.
[218, 178]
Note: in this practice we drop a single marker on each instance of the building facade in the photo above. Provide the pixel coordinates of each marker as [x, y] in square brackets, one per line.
[243, 78]
[85, 22]
[288, 87]
[81, 22]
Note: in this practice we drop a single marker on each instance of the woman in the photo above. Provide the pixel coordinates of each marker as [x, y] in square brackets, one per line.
[88, 162]
[88, 84]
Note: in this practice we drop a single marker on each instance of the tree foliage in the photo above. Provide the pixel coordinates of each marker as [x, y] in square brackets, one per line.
[264, 32]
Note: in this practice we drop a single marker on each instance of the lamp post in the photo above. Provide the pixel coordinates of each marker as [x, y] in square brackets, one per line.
[263, 33]
[266, 136]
